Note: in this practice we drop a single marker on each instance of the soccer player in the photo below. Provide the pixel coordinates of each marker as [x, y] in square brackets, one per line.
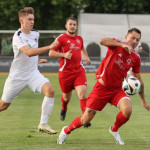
[24, 69]
[138, 49]
[71, 71]
[113, 69]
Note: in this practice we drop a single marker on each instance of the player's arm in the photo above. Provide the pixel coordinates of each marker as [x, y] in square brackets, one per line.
[85, 55]
[141, 93]
[109, 42]
[27, 50]
[56, 54]
[42, 61]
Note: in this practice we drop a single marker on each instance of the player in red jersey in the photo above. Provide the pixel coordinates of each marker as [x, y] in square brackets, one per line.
[113, 69]
[71, 71]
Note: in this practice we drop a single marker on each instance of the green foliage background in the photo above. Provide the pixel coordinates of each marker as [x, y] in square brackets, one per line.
[51, 14]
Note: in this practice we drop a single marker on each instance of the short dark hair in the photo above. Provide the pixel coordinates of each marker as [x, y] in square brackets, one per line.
[71, 18]
[25, 11]
[135, 30]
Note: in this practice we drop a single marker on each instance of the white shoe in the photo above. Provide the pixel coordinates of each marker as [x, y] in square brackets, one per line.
[117, 137]
[62, 136]
[46, 128]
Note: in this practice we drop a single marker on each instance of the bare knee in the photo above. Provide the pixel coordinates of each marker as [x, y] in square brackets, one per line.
[67, 96]
[127, 112]
[126, 107]
[3, 105]
[87, 116]
[81, 91]
[48, 90]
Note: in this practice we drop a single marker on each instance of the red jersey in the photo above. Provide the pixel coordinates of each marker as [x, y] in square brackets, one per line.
[67, 43]
[114, 67]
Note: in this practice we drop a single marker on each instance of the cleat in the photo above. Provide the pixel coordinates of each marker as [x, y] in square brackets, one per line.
[46, 128]
[62, 115]
[62, 136]
[87, 125]
[117, 137]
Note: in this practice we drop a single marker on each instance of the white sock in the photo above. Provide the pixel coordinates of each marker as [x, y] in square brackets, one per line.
[47, 107]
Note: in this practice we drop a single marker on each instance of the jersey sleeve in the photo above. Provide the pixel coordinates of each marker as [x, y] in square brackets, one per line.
[136, 67]
[59, 39]
[18, 42]
[114, 47]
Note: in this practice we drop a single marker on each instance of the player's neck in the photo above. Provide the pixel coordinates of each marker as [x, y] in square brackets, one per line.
[70, 34]
[26, 31]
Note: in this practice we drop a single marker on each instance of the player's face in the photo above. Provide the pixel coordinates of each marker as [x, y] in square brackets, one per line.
[71, 26]
[133, 39]
[27, 22]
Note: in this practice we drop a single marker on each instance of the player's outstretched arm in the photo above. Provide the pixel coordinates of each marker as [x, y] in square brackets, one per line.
[110, 42]
[85, 55]
[141, 93]
[42, 61]
[27, 50]
[56, 54]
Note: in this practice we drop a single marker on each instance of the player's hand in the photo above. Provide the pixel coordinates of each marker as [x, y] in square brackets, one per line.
[88, 61]
[68, 55]
[128, 48]
[42, 61]
[54, 44]
[146, 106]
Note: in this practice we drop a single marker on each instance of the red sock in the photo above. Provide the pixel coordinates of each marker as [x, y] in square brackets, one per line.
[120, 120]
[64, 104]
[76, 123]
[83, 104]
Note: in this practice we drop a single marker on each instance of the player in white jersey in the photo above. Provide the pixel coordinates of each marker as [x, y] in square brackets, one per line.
[138, 50]
[24, 69]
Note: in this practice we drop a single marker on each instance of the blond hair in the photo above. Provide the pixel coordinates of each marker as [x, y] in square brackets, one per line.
[25, 11]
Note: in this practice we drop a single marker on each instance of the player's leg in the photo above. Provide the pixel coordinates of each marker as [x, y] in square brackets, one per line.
[122, 117]
[12, 88]
[65, 98]
[81, 91]
[39, 84]
[66, 83]
[47, 107]
[3, 105]
[76, 123]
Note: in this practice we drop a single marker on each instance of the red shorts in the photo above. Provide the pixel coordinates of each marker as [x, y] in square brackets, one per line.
[69, 80]
[100, 96]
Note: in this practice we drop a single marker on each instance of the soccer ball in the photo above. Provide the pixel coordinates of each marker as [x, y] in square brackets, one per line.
[131, 85]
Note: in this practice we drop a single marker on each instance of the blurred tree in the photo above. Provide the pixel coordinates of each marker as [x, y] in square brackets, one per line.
[51, 14]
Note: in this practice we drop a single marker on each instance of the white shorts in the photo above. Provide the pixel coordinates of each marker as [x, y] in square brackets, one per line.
[13, 87]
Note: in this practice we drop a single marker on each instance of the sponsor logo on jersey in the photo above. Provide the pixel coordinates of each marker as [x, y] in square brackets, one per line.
[74, 47]
[68, 41]
[119, 62]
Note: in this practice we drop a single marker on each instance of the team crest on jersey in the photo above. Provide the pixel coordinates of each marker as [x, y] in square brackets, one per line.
[128, 61]
[78, 41]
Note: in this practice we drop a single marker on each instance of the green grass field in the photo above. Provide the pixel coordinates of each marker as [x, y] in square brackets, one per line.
[18, 124]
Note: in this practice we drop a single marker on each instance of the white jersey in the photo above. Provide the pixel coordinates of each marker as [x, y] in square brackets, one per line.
[139, 47]
[23, 66]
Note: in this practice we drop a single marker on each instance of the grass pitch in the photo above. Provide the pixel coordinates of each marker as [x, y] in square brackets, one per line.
[18, 124]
